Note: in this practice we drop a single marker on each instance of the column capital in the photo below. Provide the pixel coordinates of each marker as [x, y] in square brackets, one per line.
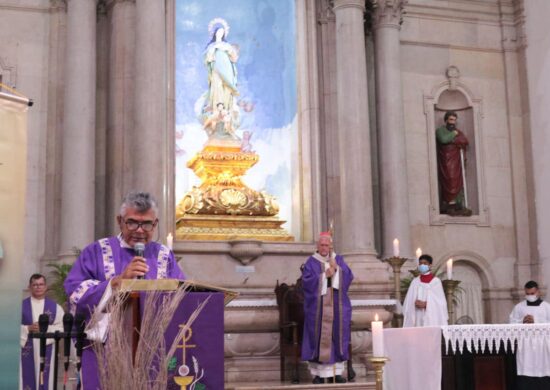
[101, 8]
[76, 1]
[110, 3]
[388, 13]
[326, 12]
[340, 4]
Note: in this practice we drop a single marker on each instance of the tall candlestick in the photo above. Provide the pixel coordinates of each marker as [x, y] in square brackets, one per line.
[450, 269]
[377, 337]
[396, 247]
[418, 254]
[170, 241]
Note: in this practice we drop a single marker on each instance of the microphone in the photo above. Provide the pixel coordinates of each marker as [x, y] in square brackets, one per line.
[43, 322]
[139, 250]
[67, 327]
[80, 325]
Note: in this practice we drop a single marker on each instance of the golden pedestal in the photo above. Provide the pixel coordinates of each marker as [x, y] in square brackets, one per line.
[378, 364]
[449, 286]
[396, 263]
[223, 207]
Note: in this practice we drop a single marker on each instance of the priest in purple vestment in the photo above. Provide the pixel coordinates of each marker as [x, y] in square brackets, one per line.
[327, 312]
[32, 308]
[103, 264]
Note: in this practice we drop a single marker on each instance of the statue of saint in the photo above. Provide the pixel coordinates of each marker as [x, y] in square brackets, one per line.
[220, 113]
[451, 158]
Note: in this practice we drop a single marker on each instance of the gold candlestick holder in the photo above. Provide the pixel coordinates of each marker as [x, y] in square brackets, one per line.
[396, 263]
[449, 286]
[378, 364]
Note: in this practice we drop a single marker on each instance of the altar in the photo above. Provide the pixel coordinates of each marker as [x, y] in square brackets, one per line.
[500, 356]
[468, 357]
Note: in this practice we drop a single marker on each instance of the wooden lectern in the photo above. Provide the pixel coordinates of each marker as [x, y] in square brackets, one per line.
[201, 348]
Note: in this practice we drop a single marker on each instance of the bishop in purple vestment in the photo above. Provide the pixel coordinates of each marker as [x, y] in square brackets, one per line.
[32, 308]
[327, 312]
[103, 264]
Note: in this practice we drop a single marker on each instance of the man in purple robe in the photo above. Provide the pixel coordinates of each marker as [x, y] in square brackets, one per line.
[32, 308]
[327, 313]
[103, 264]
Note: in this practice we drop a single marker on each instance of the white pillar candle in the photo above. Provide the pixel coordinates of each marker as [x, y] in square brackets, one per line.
[170, 241]
[377, 337]
[418, 254]
[450, 269]
[396, 247]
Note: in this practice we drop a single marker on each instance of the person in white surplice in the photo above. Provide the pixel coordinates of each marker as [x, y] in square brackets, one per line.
[425, 303]
[533, 309]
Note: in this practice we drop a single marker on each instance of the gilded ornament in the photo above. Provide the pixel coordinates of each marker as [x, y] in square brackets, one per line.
[233, 199]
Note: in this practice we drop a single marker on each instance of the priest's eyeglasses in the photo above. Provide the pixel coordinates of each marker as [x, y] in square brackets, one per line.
[145, 225]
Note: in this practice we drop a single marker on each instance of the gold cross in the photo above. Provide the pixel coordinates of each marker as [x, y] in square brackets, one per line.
[186, 336]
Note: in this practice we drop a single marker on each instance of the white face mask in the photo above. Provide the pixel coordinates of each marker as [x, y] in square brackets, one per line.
[531, 298]
[423, 269]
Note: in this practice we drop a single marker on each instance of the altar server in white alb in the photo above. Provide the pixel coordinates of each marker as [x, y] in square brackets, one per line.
[533, 309]
[425, 303]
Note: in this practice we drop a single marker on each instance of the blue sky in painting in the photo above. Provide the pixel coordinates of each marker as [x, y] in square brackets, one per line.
[265, 33]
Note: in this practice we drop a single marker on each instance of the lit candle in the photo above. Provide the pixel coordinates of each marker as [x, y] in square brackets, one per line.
[418, 254]
[170, 241]
[396, 247]
[377, 337]
[450, 269]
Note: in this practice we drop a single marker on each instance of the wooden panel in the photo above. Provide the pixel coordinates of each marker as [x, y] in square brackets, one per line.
[448, 377]
[490, 372]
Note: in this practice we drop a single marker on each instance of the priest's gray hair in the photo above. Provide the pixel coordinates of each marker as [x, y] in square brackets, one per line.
[139, 201]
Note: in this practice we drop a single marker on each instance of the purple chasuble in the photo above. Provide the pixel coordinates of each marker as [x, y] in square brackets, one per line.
[313, 306]
[98, 263]
[27, 352]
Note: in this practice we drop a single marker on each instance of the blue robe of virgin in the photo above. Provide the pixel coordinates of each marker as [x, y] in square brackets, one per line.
[98, 263]
[312, 277]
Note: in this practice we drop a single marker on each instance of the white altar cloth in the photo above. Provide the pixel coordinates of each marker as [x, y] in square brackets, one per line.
[415, 358]
[533, 343]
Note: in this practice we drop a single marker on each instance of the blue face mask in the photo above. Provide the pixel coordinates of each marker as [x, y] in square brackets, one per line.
[423, 268]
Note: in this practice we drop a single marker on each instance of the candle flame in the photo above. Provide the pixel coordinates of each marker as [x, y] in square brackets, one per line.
[376, 317]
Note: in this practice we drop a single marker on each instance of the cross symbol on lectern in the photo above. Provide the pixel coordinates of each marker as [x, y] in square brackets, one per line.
[186, 337]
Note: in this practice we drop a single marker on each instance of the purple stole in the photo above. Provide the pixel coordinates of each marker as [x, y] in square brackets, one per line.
[27, 352]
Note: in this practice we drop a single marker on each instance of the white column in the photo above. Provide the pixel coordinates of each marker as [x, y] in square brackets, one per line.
[391, 129]
[538, 62]
[120, 118]
[356, 235]
[513, 44]
[149, 138]
[78, 172]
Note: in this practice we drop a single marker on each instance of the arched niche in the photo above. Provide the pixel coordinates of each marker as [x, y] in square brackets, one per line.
[457, 102]
[475, 276]
[452, 95]
[470, 294]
